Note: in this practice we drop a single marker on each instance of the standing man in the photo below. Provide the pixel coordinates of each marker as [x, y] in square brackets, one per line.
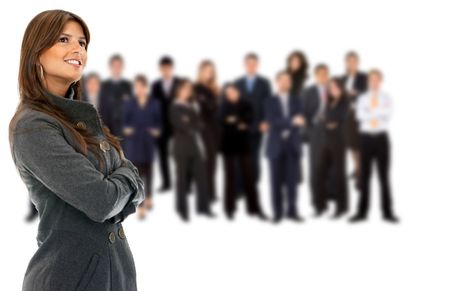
[315, 99]
[373, 111]
[255, 89]
[355, 83]
[113, 93]
[163, 90]
[284, 114]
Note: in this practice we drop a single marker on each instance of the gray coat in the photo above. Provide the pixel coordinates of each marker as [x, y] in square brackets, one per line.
[81, 242]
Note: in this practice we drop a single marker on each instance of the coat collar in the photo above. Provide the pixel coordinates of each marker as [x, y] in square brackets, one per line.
[74, 109]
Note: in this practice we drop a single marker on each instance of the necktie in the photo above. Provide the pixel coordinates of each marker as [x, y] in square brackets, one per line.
[324, 97]
[250, 84]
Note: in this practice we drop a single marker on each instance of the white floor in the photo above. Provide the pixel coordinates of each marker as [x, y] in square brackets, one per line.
[246, 254]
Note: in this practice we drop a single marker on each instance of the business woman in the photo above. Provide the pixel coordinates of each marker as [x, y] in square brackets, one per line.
[74, 169]
[355, 84]
[235, 118]
[207, 95]
[297, 66]
[142, 127]
[332, 166]
[188, 150]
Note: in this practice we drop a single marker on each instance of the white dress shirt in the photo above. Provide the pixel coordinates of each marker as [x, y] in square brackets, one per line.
[284, 99]
[322, 103]
[349, 83]
[373, 119]
[167, 85]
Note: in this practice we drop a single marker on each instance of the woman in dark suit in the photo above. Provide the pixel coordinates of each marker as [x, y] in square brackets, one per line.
[332, 167]
[297, 66]
[142, 127]
[235, 118]
[188, 150]
[73, 167]
[355, 84]
[207, 95]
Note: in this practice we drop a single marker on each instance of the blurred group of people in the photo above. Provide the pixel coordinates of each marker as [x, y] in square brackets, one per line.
[195, 121]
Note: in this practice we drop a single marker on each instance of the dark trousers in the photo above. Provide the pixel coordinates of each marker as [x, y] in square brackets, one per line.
[244, 162]
[375, 149]
[211, 160]
[194, 165]
[284, 181]
[316, 143]
[163, 155]
[331, 173]
[146, 174]
[255, 147]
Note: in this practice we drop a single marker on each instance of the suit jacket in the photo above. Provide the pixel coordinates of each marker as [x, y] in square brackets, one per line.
[187, 127]
[279, 124]
[257, 97]
[359, 84]
[336, 114]
[311, 102]
[165, 101]
[139, 146]
[235, 141]
[82, 245]
[112, 96]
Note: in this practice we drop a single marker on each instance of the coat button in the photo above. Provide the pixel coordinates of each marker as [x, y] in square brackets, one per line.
[81, 124]
[112, 237]
[121, 233]
[104, 145]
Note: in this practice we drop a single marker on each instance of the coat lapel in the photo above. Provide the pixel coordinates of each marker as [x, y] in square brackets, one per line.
[74, 109]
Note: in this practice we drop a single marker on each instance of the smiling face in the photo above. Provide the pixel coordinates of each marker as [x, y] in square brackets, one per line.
[295, 63]
[206, 73]
[63, 63]
[251, 66]
[185, 92]
[352, 64]
[283, 83]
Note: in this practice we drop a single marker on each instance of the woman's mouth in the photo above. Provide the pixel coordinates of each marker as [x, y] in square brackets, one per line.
[74, 62]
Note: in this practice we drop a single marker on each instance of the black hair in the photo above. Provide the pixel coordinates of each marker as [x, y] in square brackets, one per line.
[166, 61]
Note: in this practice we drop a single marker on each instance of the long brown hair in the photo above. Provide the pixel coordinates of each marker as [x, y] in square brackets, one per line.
[42, 33]
[212, 83]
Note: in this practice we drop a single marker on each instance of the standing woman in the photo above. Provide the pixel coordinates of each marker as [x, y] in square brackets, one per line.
[235, 117]
[355, 84]
[332, 166]
[73, 167]
[188, 150]
[297, 67]
[142, 127]
[207, 95]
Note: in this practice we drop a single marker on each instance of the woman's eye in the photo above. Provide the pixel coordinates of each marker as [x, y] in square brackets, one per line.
[83, 43]
[63, 39]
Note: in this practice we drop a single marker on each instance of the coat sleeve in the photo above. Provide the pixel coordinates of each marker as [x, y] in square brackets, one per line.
[40, 148]
[180, 121]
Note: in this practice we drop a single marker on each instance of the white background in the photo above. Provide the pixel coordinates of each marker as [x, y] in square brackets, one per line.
[408, 40]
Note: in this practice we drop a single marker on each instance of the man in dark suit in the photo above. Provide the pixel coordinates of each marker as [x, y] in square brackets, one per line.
[284, 114]
[113, 93]
[255, 89]
[355, 83]
[163, 90]
[315, 100]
